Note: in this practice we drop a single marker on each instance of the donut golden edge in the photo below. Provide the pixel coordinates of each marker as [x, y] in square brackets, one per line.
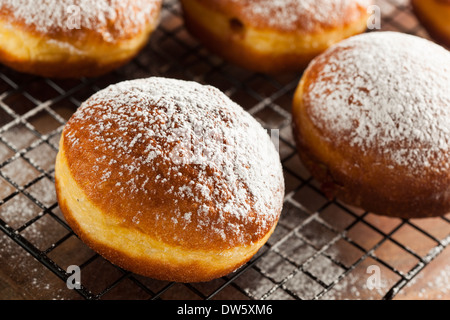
[434, 15]
[169, 179]
[64, 55]
[141, 253]
[385, 189]
[264, 50]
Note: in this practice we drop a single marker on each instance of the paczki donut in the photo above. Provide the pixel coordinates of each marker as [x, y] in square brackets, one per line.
[74, 38]
[273, 36]
[169, 179]
[434, 15]
[371, 117]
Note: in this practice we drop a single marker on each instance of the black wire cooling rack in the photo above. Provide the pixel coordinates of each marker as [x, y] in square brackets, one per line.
[321, 249]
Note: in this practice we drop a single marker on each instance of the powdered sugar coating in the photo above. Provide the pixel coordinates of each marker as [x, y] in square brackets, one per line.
[111, 18]
[195, 144]
[308, 14]
[388, 92]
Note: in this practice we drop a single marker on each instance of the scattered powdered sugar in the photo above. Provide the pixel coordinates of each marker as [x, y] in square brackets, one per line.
[24, 277]
[18, 210]
[309, 14]
[385, 91]
[435, 287]
[111, 18]
[441, 281]
[201, 147]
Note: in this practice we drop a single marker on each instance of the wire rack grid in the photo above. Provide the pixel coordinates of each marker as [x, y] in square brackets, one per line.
[321, 249]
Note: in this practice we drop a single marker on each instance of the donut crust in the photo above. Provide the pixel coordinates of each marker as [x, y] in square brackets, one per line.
[140, 209]
[68, 53]
[434, 15]
[389, 192]
[249, 42]
[155, 259]
[365, 179]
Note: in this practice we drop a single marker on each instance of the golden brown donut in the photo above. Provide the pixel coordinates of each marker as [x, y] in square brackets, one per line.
[434, 15]
[371, 118]
[169, 179]
[74, 38]
[273, 36]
